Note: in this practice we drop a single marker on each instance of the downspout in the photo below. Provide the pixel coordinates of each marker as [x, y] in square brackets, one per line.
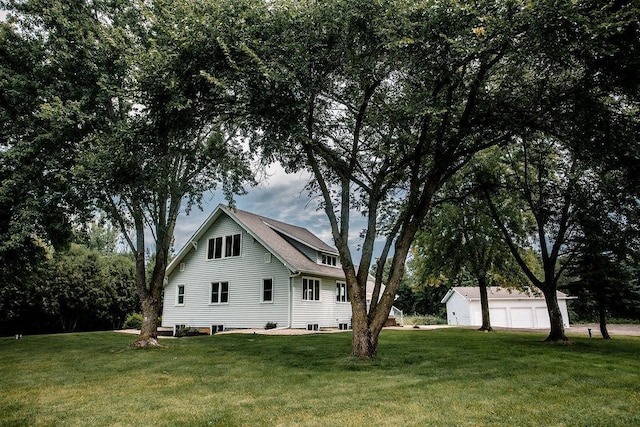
[290, 313]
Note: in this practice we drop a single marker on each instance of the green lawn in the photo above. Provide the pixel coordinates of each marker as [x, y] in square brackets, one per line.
[447, 377]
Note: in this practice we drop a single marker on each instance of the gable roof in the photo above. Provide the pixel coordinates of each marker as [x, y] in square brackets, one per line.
[496, 293]
[271, 234]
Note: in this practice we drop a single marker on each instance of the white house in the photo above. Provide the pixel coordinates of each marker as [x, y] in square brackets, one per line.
[241, 270]
[507, 308]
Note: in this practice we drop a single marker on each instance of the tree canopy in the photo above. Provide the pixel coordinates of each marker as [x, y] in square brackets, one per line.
[127, 117]
[140, 107]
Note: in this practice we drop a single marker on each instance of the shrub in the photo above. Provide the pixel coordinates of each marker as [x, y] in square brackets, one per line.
[270, 325]
[416, 319]
[133, 321]
[187, 331]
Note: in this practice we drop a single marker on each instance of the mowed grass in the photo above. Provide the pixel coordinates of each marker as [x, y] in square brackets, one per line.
[447, 377]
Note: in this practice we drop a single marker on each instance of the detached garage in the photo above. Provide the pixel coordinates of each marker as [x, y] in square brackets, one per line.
[507, 308]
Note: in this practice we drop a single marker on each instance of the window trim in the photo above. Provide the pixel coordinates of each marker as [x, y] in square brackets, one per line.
[262, 299]
[225, 246]
[180, 294]
[342, 298]
[317, 286]
[220, 292]
[328, 259]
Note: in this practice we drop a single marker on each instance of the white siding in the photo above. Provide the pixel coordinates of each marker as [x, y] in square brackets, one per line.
[326, 312]
[542, 316]
[310, 253]
[513, 313]
[458, 310]
[245, 308]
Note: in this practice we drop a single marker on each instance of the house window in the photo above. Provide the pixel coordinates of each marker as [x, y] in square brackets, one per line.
[219, 293]
[232, 245]
[310, 289]
[329, 260]
[229, 246]
[267, 290]
[180, 295]
[215, 248]
[342, 294]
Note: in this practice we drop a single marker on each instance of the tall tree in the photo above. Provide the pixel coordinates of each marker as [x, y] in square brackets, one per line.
[459, 240]
[604, 273]
[384, 102]
[584, 108]
[544, 178]
[148, 130]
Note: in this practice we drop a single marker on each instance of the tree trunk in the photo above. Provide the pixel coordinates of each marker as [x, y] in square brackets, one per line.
[150, 305]
[149, 329]
[484, 303]
[363, 344]
[555, 316]
[602, 314]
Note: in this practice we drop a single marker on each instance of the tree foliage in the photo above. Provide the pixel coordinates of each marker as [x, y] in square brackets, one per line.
[384, 102]
[78, 288]
[133, 120]
[460, 243]
[140, 107]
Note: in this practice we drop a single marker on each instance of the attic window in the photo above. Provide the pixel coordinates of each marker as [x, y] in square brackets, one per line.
[329, 260]
[227, 246]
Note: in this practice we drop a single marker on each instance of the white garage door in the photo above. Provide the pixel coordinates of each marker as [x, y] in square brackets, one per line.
[522, 317]
[542, 318]
[498, 317]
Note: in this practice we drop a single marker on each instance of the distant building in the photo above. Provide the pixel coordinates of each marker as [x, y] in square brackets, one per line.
[507, 308]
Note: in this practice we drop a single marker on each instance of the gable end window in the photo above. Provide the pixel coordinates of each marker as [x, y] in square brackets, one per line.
[219, 293]
[310, 289]
[232, 245]
[214, 251]
[342, 294]
[224, 247]
[180, 295]
[267, 290]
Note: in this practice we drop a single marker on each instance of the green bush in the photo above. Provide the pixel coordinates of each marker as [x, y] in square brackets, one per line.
[416, 319]
[133, 321]
[187, 331]
[270, 325]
